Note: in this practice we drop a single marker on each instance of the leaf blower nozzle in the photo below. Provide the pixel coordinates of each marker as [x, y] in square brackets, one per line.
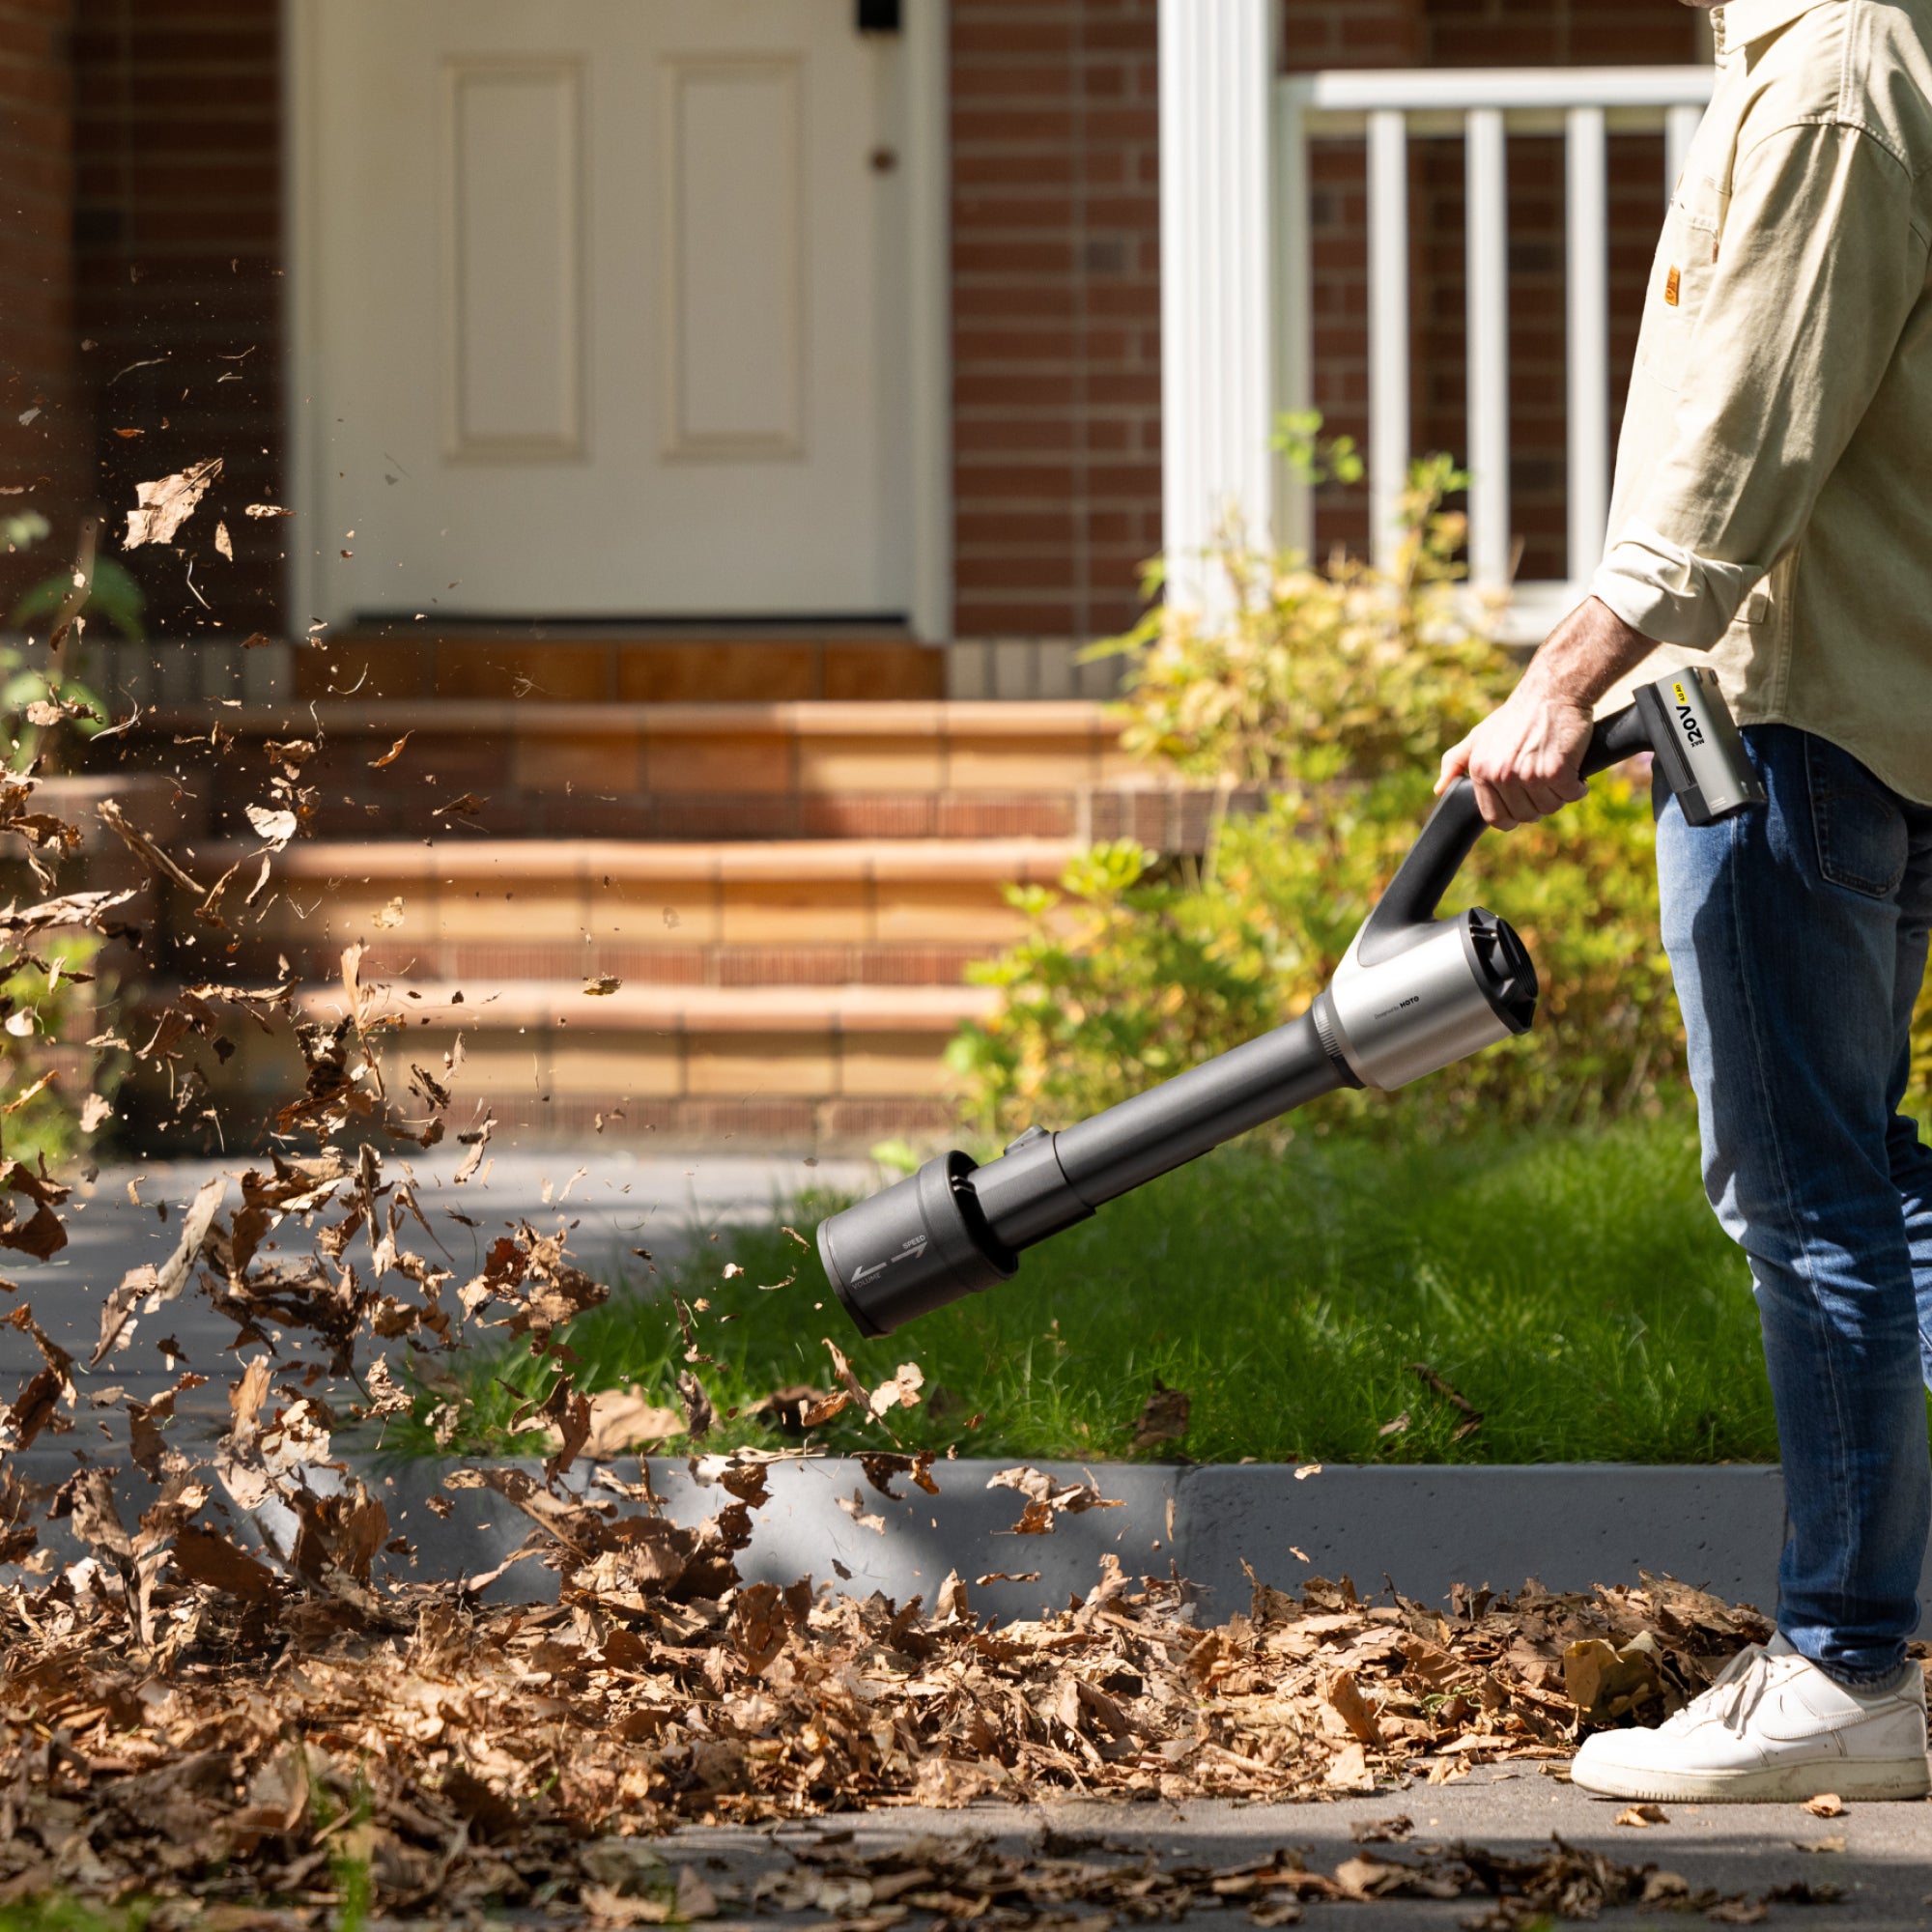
[1414, 994]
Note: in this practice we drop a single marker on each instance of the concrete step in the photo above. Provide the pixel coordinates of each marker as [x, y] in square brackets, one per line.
[839, 1067]
[879, 911]
[884, 769]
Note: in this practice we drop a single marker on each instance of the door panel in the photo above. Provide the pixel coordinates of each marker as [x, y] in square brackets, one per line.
[605, 305]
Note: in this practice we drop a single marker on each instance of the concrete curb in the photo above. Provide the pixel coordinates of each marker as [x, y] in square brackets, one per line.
[1425, 1528]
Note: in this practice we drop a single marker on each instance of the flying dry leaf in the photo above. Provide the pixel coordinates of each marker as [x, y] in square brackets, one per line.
[626, 1419]
[166, 503]
[900, 1391]
[275, 828]
[223, 542]
[267, 510]
[854, 1506]
[389, 917]
[390, 757]
[605, 982]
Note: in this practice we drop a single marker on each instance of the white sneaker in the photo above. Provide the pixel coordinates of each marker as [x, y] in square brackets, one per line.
[1772, 1727]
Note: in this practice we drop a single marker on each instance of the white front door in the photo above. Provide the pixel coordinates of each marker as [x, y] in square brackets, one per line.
[602, 310]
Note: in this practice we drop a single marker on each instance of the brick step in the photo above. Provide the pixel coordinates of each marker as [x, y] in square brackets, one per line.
[888, 769]
[460, 962]
[834, 1064]
[878, 912]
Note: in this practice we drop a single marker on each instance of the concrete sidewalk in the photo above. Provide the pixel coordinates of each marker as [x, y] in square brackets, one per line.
[1885, 1866]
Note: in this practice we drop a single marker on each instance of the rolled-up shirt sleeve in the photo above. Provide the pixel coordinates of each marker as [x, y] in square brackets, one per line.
[1819, 264]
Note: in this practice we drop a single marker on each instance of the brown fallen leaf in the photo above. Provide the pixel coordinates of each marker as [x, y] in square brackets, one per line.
[1345, 1698]
[1163, 1416]
[1275, 1909]
[1827, 1804]
[1641, 1816]
[1825, 1846]
[394, 752]
[1382, 1831]
[1435, 1381]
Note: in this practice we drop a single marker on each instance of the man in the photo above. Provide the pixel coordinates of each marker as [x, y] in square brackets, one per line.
[1772, 508]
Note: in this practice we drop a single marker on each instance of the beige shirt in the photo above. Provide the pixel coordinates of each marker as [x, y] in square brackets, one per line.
[1773, 503]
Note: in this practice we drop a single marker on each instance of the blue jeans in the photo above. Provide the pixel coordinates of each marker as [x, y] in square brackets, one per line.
[1796, 936]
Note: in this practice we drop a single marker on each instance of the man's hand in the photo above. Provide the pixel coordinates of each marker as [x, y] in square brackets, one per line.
[1523, 758]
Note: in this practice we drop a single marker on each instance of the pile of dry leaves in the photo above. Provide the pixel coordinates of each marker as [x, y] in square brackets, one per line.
[178, 1714]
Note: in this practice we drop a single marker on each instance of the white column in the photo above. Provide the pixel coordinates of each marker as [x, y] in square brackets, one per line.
[1388, 328]
[1589, 331]
[1217, 347]
[1486, 232]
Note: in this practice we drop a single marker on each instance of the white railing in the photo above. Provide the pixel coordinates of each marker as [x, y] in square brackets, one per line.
[1484, 106]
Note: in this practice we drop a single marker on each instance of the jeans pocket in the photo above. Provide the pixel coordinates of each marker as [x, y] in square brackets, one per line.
[1863, 843]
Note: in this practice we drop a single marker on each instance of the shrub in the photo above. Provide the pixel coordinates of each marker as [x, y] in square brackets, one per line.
[1336, 691]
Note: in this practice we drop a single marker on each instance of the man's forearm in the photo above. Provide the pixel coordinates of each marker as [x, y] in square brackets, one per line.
[1524, 759]
[1585, 655]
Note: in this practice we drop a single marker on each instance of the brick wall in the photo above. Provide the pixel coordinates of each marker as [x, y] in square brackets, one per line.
[1056, 249]
[1466, 33]
[178, 239]
[39, 458]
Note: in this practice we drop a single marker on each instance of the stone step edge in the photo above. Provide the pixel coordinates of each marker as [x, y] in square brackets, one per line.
[497, 1005]
[588, 862]
[802, 718]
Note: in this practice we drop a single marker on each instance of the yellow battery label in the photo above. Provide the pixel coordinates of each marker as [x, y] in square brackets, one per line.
[1679, 690]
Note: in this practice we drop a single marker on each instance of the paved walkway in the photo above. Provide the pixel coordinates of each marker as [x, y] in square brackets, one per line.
[1885, 1866]
[612, 1201]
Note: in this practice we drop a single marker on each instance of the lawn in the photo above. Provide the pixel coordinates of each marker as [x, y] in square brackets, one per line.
[1572, 1286]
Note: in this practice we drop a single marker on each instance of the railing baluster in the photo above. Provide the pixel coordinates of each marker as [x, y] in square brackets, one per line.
[1588, 226]
[1679, 129]
[1388, 328]
[1294, 317]
[1486, 241]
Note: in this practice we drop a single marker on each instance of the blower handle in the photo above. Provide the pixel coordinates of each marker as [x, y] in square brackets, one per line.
[1451, 832]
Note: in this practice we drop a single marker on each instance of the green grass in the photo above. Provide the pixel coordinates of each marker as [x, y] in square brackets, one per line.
[62, 1912]
[1573, 1287]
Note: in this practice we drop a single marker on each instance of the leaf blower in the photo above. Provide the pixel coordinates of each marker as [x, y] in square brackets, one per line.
[1414, 994]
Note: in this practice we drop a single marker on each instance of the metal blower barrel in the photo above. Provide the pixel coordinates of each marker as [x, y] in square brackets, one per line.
[954, 1228]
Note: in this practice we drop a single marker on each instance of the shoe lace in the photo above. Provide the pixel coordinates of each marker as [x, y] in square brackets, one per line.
[1733, 1694]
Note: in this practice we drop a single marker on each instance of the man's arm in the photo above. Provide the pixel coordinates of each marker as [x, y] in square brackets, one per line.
[1819, 269]
[1524, 758]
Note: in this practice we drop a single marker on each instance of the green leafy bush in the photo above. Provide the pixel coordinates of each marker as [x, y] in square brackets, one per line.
[48, 1004]
[1336, 691]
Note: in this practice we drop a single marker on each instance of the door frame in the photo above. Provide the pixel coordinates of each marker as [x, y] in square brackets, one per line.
[925, 158]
